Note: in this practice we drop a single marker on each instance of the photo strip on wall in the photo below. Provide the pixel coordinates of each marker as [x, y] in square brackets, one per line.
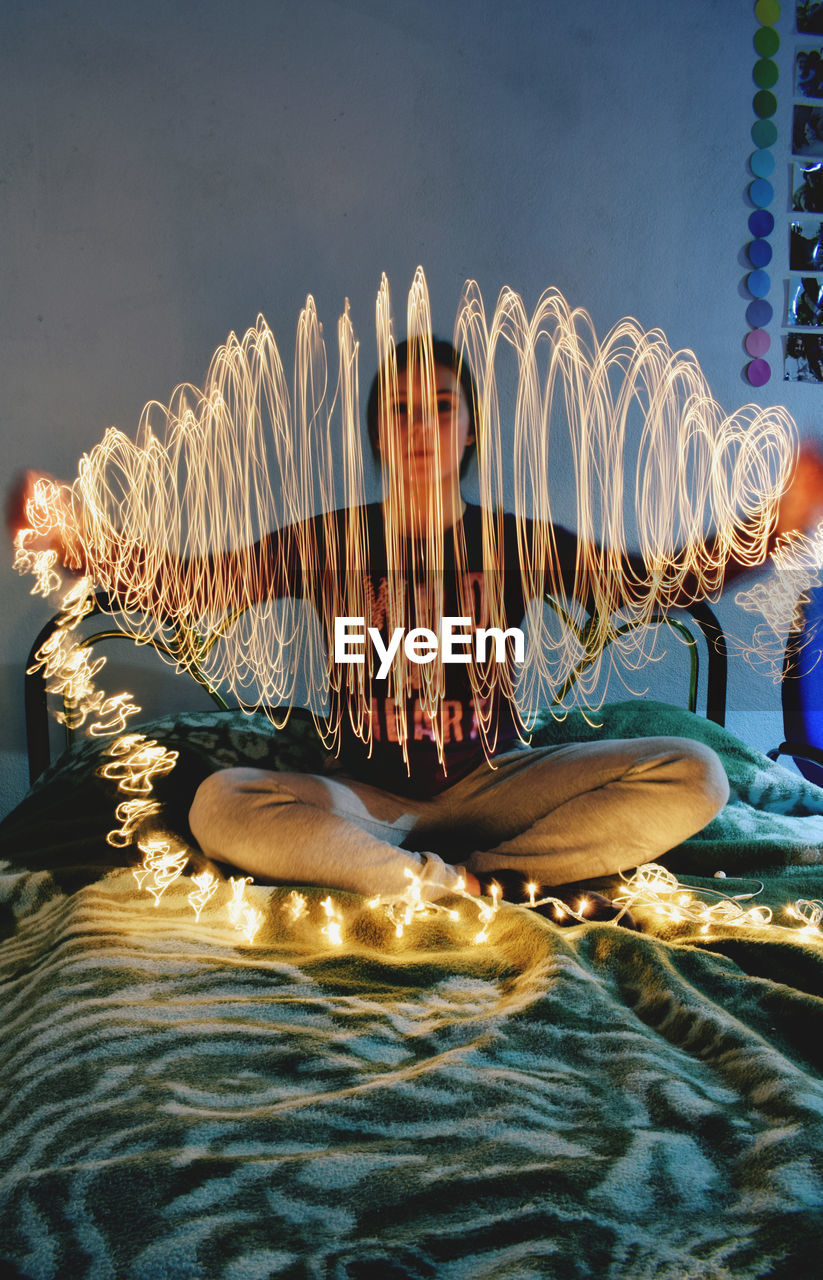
[803, 341]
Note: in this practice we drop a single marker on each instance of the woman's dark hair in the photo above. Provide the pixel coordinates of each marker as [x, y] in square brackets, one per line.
[444, 354]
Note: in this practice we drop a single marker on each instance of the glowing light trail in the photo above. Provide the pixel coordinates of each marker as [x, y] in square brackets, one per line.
[130, 813]
[166, 524]
[139, 760]
[159, 868]
[333, 927]
[656, 887]
[207, 886]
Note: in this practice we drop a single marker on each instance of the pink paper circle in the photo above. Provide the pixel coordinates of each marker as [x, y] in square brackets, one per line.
[758, 372]
[758, 342]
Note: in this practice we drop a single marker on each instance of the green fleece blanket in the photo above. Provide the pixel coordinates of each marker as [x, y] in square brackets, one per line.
[583, 1102]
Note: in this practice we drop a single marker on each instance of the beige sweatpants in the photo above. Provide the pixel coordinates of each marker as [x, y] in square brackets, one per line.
[558, 814]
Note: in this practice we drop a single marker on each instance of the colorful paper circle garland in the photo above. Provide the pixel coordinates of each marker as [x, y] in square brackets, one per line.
[761, 192]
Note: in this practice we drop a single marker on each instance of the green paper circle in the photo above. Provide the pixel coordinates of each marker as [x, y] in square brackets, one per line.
[767, 12]
[761, 163]
[766, 42]
[765, 73]
[764, 133]
[764, 103]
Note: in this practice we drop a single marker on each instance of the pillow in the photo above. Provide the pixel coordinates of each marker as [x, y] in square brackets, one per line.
[61, 825]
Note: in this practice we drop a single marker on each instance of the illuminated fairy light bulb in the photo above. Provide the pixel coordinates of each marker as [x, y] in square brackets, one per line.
[245, 917]
[485, 914]
[130, 814]
[237, 902]
[160, 867]
[249, 923]
[152, 849]
[169, 867]
[296, 905]
[410, 904]
[560, 910]
[207, 885]
[809, 914]
[657, 888]
[332, 929]
[415, 889]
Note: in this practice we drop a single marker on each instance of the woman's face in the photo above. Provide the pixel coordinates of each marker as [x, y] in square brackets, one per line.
[422, 427]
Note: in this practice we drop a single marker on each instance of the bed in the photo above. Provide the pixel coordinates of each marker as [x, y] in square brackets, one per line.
[181, 1101]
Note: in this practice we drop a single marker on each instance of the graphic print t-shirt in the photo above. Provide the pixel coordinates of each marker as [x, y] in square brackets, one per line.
[394, 710]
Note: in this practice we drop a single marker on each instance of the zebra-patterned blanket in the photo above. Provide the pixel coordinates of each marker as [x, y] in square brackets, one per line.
[560, 1103]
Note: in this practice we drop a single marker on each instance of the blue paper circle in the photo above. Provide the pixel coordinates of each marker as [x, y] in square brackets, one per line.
[758, 283]
[760, 253]
[761, 223]
[761, 192]
[759, 313]
[761, 163]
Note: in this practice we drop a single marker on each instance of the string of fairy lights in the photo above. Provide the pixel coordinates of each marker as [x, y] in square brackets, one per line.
[164, 523]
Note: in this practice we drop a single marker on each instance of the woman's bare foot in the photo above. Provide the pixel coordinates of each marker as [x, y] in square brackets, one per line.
[473, 885]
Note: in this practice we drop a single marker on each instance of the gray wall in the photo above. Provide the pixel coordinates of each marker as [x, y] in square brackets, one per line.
[170, 169]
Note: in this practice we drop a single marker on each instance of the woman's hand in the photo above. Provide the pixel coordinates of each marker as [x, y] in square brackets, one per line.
[801, 503]
[39, 518]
